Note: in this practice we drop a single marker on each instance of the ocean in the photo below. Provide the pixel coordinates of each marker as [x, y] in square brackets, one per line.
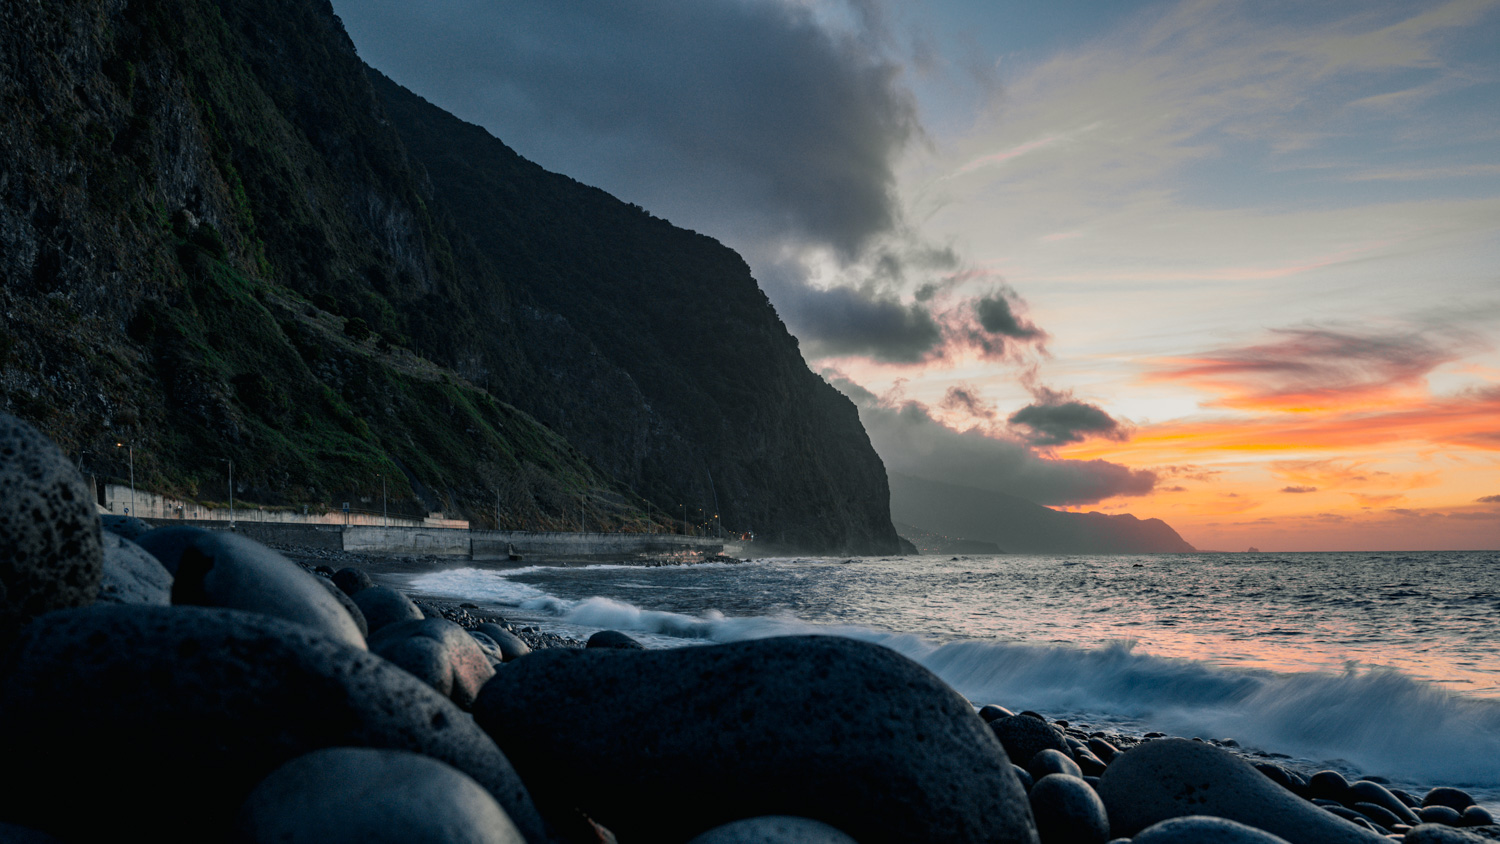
[1371, 664]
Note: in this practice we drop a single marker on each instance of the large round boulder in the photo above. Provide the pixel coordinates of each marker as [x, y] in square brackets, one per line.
[360, 795]
[132, 576]
[844, 732]
[511, 646]
[1170, 778]
[175, 713]
[51, 553]
[774, 829]
[220, 569]
[383, 605]
[440, 653]
[1201, 829]
[1024, 736]
[1068, 811]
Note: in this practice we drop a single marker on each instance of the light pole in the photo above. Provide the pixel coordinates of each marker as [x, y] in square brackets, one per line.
[684, 520]
[231, 490]
[130, 450]
[385, 515]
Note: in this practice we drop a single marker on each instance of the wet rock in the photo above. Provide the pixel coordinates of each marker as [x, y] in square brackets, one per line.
[383, 605]
[440, 653]
[811, 726]
[1378, 815]
[1366, 791]
[991, 712]
[129, 575]
[355, 795]
[1024, 736]
[348, 604]
[1027, 780]
[1170, 777]
[220, 569]
[511, 646]
[489, 646]
[1102, 749]
[1088, 763]
[53, 554]
[774, 829]
[1453, 798]
[210, 701]
[1328, 785]
[1068, 811]
[351, 580]
[1201, 829]
[1439, 814]
[125, 527]
[1476, 816]
[1051, 761]
[612, 639]
[1432, 833]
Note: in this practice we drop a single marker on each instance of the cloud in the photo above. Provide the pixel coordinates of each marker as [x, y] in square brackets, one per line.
[1056, 418]
[672, 105]
[1305, 369]
[965, 399]
[911, 441]
[1299, 489]
[1489, 499]
[842, 321]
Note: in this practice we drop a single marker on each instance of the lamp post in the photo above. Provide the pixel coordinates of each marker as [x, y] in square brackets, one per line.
[385, 515]
[130, 450]
[684, 520]
[231, 490]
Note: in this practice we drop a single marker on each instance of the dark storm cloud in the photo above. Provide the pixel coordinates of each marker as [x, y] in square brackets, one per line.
[845, 321]
[912, 442]
[998, 317]
[1056, 418]
[723, 115]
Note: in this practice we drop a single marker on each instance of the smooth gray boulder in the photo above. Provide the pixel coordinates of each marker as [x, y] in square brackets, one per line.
[1068, 811]
[1453, 798]
[1439, 814]
[1431, 833]
[1051, 761]
[359, 795]
[1201, 829]
[774, 829]
[1365, 791]
[125, 527]
[132, 576]
[440, 653]
[51, 553]
[1170, 778]
[383, 605]
[845, 732]
[511, 646]
[1024, 736]
[209, 701]
[221, 569]
[347, 603]
[612, 639]
[350, 580]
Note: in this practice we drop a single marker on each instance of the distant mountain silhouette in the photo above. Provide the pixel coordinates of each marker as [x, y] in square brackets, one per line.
[1020, 526]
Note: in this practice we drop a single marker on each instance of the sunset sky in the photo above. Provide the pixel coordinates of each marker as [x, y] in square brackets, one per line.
[1233, 265]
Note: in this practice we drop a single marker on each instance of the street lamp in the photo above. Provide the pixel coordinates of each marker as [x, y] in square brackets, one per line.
[130, 450]
[684, 519]
[231, 490]
[385, 516]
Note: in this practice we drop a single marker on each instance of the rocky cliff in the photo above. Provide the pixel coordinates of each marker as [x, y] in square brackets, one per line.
[217, 242]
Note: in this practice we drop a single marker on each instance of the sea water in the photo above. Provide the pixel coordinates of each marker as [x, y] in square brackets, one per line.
[1373, 664]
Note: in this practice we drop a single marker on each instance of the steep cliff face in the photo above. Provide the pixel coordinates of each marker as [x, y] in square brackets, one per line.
[213, 245]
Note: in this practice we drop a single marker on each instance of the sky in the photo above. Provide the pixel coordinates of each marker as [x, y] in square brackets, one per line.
[1233, 265]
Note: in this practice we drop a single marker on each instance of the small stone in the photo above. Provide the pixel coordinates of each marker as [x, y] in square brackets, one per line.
[351, 580]
[990, 712]
[1203, 829]
[1051, 761]
[53, 552]
[1369, 791]
[1103, 749]
[613, 639]
[1066, 809]
[1378, 815]
[1439, 814]
[511, 646]
[1453, 798]
[774, 829]
[383, 605]
[1024, 736]
[219, 569]
[357, 795]
[132, 576]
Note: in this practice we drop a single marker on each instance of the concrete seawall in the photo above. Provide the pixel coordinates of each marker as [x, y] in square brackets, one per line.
[498, 545]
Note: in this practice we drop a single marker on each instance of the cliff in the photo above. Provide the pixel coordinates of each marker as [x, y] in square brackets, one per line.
[215, 245]
[1022, 527]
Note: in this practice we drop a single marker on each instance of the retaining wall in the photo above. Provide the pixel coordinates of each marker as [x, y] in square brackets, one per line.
[533, 545]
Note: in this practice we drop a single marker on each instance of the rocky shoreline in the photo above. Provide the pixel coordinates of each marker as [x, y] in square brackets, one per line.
[213, 688]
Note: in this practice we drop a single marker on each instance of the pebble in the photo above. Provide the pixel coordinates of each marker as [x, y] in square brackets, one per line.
[1328, 785]
[1369, 791]
[53, 552]
[845, 732]
[1068, 811]
[1202, 829]
[990, 712]
[613, 639]
[1024, 736]
[512, 647]
[358, 795]
[1105, 751]
[1451, 797]
[1051, 761]
[129, 575]
[1439, 814]
[1174, 777]
[1476, 816]
[209, 701]
[383, 605]
[774, 829]
[221, 569]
